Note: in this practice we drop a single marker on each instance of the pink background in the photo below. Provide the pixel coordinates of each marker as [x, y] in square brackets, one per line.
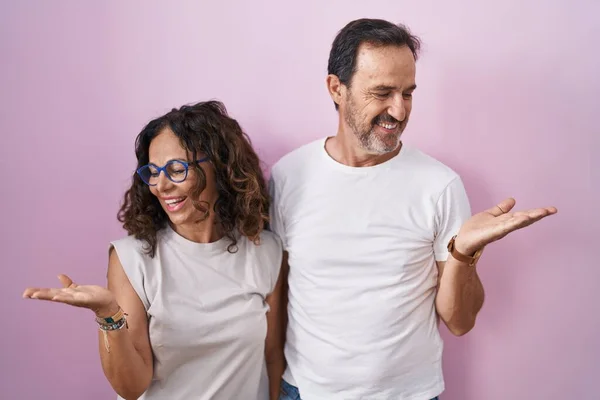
[508, 96]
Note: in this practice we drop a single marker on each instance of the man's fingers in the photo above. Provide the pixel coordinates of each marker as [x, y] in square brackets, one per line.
[551, 210]
[503, 207]
[536, 213]
[521, 219]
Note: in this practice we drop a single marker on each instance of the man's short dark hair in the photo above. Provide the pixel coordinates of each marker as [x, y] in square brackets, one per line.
[376, 32]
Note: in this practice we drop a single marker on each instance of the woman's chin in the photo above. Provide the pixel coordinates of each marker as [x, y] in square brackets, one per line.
[186, 218]
[177, 217]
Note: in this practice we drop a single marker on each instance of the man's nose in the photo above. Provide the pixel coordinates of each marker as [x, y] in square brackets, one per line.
[397, 109]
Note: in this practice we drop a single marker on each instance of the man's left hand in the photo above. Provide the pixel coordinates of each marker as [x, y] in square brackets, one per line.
[495, 223]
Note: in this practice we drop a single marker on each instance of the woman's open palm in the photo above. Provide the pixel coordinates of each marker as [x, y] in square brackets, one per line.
[95, 298]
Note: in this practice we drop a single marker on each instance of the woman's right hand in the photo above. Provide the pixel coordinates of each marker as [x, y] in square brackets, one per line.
[98, 299]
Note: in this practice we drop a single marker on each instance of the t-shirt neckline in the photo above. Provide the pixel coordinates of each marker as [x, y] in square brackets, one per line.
[360, 170]
[189, 245]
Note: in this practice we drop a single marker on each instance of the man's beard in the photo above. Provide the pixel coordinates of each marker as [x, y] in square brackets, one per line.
[370, 139]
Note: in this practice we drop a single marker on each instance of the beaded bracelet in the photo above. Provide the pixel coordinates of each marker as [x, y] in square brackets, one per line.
[112, 319]
[113, 323]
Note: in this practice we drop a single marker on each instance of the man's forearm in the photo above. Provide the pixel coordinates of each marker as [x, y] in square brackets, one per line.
[460, 296]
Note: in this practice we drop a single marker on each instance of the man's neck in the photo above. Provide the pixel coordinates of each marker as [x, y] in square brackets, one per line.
[345, 149]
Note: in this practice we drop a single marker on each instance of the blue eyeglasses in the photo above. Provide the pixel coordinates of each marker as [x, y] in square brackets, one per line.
[175, 170]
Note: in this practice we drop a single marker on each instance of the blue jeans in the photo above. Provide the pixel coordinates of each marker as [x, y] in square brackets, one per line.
[289, 392]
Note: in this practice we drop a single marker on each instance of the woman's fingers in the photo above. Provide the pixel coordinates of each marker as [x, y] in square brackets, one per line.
[66, 281]
[41, 293]
[46, 293]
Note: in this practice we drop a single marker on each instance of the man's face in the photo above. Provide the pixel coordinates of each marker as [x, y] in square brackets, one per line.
[378, 102]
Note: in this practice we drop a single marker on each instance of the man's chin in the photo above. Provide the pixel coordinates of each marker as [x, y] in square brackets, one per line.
[381, 147]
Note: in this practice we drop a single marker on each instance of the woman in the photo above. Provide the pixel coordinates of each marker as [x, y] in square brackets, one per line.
[188, 289]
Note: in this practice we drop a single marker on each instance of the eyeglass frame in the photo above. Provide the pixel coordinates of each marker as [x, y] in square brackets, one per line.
[164, 169]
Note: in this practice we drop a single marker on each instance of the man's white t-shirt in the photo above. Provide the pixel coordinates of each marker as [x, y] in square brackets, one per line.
[363, 244]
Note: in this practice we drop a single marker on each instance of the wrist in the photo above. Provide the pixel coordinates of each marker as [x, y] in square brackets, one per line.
[108, 310]
[110, 318]
[463, 253]
[464, 248]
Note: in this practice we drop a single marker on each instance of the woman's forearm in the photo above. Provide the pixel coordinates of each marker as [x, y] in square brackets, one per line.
[275, 370]
[125, 367]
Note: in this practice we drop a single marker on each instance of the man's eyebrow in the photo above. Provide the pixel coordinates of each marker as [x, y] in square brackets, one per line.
[383, 87]
[388, 87]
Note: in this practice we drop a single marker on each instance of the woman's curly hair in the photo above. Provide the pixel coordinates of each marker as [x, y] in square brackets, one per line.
[243, 201]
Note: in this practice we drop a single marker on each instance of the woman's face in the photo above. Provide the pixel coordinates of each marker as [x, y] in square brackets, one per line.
[174, 197]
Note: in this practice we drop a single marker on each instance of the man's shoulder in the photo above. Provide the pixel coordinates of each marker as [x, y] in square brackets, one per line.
[428, 165]
[297, 158]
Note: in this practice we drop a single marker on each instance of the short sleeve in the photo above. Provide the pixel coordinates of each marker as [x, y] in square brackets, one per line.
[276, 221]
[271, 256]
[452, 210]
[128, 250]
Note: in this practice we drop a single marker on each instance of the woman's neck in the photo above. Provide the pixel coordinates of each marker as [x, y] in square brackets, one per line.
[205, 231]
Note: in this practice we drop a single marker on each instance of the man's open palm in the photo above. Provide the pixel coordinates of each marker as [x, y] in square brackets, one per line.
[495, 223]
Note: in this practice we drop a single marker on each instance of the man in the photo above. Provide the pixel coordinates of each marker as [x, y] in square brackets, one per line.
[379, 237]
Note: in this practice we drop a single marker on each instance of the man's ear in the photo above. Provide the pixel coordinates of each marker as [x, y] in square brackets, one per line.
[335, 88]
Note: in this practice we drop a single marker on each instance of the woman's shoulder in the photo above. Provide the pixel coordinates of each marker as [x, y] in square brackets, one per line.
[140, 269]
[270, 242]
[129, 244]
[136, 251]
[265, 255]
